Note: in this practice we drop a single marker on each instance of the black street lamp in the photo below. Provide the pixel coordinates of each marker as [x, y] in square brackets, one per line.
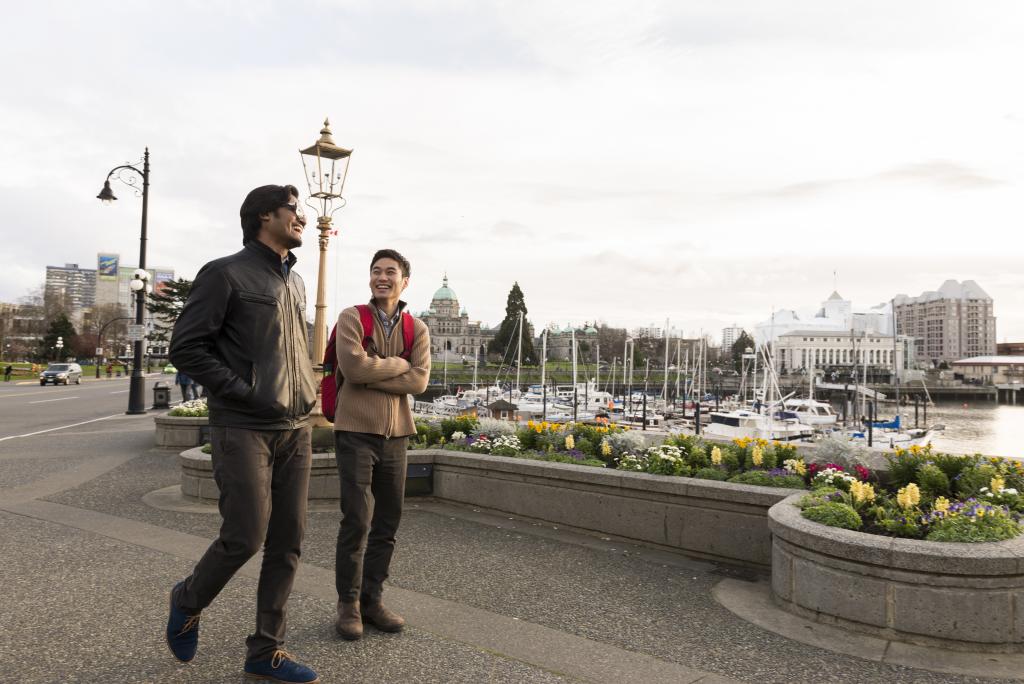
[137, 388]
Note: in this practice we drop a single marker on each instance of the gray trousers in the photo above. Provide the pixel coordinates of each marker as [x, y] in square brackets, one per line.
[372, 474]
[263, 476]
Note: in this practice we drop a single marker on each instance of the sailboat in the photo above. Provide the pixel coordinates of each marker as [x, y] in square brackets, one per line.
[765, 420]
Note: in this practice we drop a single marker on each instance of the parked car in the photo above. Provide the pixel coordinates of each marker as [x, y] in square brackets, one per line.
[61, 374]
[169, 368]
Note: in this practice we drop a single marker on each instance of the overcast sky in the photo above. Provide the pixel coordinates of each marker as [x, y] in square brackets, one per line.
[704, 162]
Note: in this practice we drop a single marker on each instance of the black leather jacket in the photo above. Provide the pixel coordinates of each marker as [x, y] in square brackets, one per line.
[242, 336]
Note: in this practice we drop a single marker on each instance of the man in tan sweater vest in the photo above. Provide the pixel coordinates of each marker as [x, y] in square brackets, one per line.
[372, 424]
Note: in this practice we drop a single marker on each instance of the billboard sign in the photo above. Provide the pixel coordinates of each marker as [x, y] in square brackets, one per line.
[160, 277]
[106, 266]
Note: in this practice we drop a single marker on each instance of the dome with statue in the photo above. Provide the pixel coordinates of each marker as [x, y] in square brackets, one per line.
[445, 293]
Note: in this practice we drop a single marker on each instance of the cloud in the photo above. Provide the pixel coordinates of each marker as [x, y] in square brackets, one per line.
[940, 174]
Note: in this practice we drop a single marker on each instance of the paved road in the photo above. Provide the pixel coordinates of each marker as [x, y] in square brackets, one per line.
[26, 408]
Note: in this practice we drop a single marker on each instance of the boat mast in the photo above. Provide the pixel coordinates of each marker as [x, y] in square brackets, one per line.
[573, 338]
[476, 361]
[543, 356]
[679, 364]
[597, 366]
[664, 388]
[519, 354]
[895, 359]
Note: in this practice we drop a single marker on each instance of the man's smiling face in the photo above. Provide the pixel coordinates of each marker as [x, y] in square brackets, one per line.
[386, 280]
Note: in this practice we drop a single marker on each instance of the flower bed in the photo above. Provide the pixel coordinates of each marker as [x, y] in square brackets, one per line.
[196, 408]
[743, 461]
[925, 495]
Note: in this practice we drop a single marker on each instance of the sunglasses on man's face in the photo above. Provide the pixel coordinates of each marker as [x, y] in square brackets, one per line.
[295, 209]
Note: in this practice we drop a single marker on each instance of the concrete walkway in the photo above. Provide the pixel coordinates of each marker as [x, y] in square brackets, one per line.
[93, 539]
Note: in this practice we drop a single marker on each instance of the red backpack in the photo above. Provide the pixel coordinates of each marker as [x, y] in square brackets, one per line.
[330, 385]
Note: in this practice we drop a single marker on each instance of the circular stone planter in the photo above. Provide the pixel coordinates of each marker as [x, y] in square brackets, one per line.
[197, 483]
[967, 597]
[181, 431]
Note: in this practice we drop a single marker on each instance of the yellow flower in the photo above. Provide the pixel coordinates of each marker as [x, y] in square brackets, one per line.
[997, 485]
[915, 449]
[862, 491]
[942, 504]
[570, 443]
[909, 496]
[716, 456]
[800, 467]
[606, 448]
[757, 455]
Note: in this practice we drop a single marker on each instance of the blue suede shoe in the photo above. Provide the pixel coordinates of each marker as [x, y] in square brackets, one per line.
[182, 632]
[280, 667]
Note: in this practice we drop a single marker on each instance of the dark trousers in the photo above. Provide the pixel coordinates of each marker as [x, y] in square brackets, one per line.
[263, 476]
[372, 473]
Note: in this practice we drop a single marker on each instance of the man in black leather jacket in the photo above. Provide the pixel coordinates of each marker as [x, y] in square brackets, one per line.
[242, 336]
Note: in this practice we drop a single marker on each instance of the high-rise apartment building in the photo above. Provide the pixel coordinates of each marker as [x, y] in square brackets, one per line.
[951, 323]
[71, 289]
[113, 282]
[729, 337]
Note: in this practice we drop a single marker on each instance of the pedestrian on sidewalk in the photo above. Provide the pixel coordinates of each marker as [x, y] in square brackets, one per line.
[242, 335]
[372, 423]
[188, 388]
[7, 373]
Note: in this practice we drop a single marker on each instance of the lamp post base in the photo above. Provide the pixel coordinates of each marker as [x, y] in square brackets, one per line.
[136, 396]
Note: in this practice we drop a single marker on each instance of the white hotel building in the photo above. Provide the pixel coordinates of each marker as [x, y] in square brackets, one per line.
[836, 339]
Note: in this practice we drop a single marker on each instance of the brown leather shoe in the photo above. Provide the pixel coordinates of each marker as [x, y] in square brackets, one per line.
[383, 619]
[349, 624]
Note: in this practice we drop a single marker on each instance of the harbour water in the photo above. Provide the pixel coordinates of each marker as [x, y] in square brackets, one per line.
[978, 427]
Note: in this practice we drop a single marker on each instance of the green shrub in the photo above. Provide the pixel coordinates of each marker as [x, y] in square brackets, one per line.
[903, 467]
[819, 496]
[586, 446]
[932, 480]
[997, 527]
[899, 525]
[711, 473]
[973, 479]
[953, 465]
[207, 448]
[463, 424]
[698, 456]
[730, 460]
[428, 433]
[766, 479]
[834, 514]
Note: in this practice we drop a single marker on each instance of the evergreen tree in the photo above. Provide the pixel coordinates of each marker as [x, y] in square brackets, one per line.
[508, 334]
[738, 347]
[61, 327]
[166, 306]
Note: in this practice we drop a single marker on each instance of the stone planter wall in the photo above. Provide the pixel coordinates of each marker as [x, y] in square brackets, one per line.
[181, 431]
[197, 476]
[961, 596]
[699, 517]
[715, 520]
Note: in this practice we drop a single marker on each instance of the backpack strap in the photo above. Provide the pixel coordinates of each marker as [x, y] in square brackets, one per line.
[366, 318]
[408, 333]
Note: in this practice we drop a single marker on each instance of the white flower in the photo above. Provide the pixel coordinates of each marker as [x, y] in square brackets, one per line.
[458, 435]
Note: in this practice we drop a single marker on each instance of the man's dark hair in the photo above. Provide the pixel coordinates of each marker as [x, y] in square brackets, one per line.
[263, 200]
[391, 254]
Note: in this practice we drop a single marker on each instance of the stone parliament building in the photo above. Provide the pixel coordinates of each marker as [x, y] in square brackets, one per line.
[451, 329]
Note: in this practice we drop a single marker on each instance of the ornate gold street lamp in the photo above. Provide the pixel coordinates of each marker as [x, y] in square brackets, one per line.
[326, 166]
